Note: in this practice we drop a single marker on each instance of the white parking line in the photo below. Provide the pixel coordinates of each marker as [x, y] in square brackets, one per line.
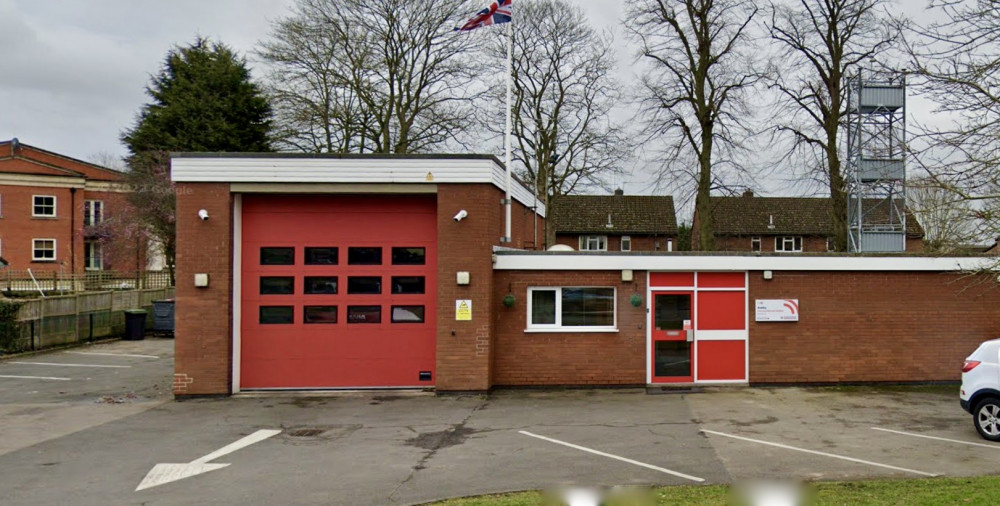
[73, 365]
[822, 454]
[111, 354]
[995, 447]
[616, 457]
[34, 377]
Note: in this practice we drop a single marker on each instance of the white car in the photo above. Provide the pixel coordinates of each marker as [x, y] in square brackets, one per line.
[980, 393]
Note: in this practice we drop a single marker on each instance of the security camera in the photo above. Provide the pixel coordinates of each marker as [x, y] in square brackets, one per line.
[461, 215]
[203, 214]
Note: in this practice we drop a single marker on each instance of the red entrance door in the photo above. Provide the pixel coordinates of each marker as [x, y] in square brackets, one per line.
[671, 325]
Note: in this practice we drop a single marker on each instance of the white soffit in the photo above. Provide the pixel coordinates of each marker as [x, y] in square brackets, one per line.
[354, 170]
[583, 262]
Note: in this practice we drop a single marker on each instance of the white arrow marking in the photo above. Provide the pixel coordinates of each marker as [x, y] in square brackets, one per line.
[166, 473]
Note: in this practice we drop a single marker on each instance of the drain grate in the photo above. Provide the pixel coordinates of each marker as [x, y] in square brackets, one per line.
[306, 432]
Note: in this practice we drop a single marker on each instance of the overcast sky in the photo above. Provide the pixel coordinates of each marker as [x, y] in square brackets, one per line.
[73, 73]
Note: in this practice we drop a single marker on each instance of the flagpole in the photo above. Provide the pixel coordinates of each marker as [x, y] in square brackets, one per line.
[507, 147]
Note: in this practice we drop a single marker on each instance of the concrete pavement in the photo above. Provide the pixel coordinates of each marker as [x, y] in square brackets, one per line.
[406, 448]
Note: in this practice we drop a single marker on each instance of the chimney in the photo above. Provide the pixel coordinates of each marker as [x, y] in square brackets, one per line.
[748, 193]
[619, 192]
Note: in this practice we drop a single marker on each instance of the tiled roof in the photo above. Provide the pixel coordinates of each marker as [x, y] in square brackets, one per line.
[749, 215]
[630, 214]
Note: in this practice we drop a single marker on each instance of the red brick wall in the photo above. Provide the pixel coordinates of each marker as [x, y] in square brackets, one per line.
[125, 247]
[464, 348]
[203, 322]
[858, 326]
[639, 242]
[810, 244]
[18, 228]
[566, 358]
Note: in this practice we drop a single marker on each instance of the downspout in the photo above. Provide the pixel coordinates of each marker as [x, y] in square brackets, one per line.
[72, 231]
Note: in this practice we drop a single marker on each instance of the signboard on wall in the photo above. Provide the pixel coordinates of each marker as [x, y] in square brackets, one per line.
[463, 310]
[777, 310]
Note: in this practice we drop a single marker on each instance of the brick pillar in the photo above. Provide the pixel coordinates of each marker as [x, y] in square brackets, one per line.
[465, 348]
[203, 328]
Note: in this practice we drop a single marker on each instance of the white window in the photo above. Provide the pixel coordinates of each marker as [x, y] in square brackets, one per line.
[788, 244]
[93, 212]
[593, 243]
[626, 243]
[93, 256]
[43, 206]
[755, 244]
[43, 250]
[572, 309]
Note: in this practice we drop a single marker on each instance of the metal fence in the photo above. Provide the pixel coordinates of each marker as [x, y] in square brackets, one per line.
[68, 319]
[19, 282]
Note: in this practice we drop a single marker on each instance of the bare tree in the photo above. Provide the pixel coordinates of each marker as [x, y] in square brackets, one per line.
[152, 193]
[950, 223]
[694, 90]
[381, 76]
[564, 138]
[956, 62]
[822, 44]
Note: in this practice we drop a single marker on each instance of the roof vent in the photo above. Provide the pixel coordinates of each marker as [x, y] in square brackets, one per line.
[619, 192]
[770, 223]
[609, 224]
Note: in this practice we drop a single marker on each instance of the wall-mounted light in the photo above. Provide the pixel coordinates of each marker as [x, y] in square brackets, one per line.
[768, 275]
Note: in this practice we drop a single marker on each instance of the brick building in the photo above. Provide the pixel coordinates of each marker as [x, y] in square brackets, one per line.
[616, 222]
[784, 225]
[317, 272]
[55, 213]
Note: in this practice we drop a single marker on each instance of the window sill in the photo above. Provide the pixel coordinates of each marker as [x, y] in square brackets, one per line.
[574, 330]
[45, 217]
[44, 261]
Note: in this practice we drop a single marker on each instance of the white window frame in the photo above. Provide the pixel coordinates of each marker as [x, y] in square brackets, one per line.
[35, 249]
[626, 240]
[557, 326]
[55, 207]
[100, 256]
[782, 240]
[91, 215]
[755, 244]
[601, 240]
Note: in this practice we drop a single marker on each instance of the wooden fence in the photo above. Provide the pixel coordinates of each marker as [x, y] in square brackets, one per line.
[24, 282]
[67, 319]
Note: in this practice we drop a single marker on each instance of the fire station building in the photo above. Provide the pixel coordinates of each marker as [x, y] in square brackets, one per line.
[302, 272]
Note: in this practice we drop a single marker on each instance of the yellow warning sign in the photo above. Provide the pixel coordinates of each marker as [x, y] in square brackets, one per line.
[463, 310]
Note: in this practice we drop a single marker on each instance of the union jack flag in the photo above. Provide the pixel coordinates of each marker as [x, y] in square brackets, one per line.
[498, 12]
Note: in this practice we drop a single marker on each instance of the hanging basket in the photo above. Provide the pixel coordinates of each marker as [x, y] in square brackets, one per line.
[509, 300]
[635, 300]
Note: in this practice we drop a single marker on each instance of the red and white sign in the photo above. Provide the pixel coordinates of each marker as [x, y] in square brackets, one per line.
[777, 310]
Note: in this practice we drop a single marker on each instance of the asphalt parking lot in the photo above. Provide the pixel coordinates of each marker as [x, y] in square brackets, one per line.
[112, 435]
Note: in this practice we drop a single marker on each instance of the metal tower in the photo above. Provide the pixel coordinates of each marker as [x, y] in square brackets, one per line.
[876, 172]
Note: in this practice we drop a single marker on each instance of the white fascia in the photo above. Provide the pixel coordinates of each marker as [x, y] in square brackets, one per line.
[585, 262]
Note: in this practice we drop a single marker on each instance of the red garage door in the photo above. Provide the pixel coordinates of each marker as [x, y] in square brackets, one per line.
[338, 291]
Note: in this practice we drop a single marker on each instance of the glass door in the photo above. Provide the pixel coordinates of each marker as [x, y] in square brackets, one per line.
[672, 337]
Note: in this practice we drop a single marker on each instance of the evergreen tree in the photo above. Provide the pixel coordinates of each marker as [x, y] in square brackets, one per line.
[203, 100]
